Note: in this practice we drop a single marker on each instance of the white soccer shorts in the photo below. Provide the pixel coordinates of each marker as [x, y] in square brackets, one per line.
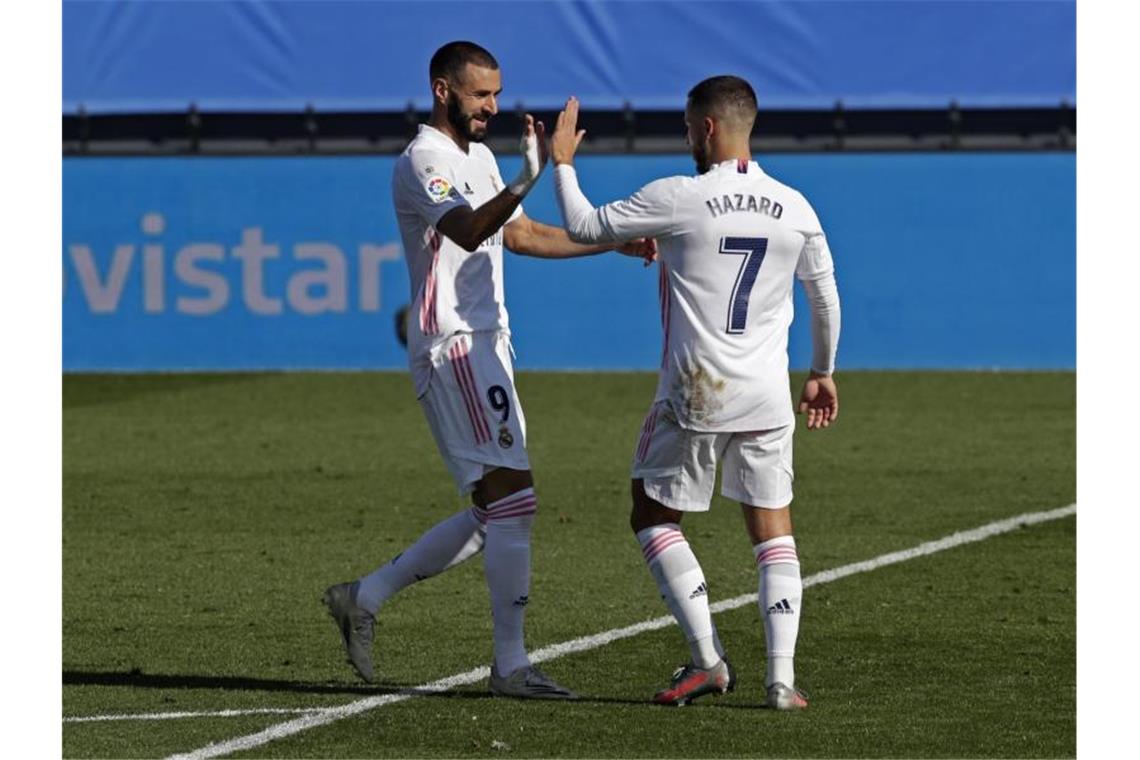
[678, 466]
[472, 407]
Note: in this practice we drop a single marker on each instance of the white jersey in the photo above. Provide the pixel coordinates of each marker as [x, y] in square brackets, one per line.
[452, 290]
[730, 241]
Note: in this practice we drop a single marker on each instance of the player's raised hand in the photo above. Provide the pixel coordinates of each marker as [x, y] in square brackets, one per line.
[533, 150]
[642, 248]
[567, 137]
[819, 401]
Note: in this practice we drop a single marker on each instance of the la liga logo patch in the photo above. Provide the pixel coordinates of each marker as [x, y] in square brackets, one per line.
[438, 188]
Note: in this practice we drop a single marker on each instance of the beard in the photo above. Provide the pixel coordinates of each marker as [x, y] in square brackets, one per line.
[462, 121]
[701, 157]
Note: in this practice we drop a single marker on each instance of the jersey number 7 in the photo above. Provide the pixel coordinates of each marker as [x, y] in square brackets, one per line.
[753, 250]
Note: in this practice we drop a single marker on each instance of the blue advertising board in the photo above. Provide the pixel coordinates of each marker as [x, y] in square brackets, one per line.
[266, 55]
[943, 261]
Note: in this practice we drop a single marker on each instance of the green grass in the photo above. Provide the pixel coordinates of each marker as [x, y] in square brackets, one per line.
[204, 514]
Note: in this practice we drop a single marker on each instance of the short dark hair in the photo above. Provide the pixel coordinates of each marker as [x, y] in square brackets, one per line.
[727, 97]
[450, 59]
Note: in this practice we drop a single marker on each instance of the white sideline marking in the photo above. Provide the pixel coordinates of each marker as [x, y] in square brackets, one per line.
[198, 714]
[333, 714]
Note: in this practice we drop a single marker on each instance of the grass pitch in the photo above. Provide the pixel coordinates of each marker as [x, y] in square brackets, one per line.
[204, 514]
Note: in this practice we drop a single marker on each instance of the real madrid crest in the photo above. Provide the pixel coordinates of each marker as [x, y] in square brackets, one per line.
[506, 440]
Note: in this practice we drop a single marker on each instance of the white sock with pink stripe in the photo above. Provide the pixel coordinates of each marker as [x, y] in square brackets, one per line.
[506, 559]
[445, 545]
[781, 594]
[682, 585]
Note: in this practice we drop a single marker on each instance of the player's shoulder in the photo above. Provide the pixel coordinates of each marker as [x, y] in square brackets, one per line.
[787, 191]
[797, 209]
[430, 147]
[423, 160]
[667, 188]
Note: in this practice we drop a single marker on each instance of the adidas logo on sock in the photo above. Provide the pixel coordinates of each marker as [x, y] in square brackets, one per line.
[522, 601]
[701, 590]
[781, 608]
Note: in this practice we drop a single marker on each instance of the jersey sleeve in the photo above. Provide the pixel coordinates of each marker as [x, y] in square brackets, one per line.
[646, 213]
[424, 184]
[815, 257]
[816, 271]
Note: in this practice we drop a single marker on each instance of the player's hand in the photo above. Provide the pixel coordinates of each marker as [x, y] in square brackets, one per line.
[819, 401]
[642, 248]
[567, 137]
[533, 149]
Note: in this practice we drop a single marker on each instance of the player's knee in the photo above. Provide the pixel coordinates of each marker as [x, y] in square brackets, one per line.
[636, 510]
[499, 484]
[766, 524]
[645, 512]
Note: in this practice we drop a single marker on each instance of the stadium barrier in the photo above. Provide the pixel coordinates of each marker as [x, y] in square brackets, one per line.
[944, 261]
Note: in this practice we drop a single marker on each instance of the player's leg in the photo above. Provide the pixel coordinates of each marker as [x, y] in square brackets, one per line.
[780, 588]
[673, 472]
[758, 474]
[354, 605]
[508, 505]
[676, 571]
[443, 546]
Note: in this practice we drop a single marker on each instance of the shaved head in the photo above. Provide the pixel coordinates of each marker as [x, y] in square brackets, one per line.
[450, 61]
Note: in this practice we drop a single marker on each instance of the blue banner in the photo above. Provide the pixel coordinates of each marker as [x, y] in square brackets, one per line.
[124, 55]
[948, 261]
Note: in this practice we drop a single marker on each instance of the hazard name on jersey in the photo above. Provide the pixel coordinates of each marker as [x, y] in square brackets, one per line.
[727, 203]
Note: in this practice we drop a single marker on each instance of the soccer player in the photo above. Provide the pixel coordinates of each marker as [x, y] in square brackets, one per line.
[455, 214]
[730, 241]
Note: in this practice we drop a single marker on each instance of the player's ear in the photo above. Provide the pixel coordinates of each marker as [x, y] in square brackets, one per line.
[710, 126]
[440, 89]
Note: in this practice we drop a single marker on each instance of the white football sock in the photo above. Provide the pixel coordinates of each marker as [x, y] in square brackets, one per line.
[506, 560]
[716, 641]
[781, 594]
[682, 585]
[444, 545]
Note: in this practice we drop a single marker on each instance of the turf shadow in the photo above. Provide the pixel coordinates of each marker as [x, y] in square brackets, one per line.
[704, 703]
[138, 679]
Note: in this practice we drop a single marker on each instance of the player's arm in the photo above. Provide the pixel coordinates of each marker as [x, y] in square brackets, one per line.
[819, 399]
[530, 238]
[469, 227]
[647, 213]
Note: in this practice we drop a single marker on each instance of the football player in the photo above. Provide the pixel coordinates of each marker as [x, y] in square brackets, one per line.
[731, 240]
[456, 213]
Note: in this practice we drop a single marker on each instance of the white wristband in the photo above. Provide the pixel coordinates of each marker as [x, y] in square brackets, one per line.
[531, 167]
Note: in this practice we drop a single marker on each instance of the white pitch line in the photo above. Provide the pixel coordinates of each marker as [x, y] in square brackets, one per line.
[194, 714]
[334, 714]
